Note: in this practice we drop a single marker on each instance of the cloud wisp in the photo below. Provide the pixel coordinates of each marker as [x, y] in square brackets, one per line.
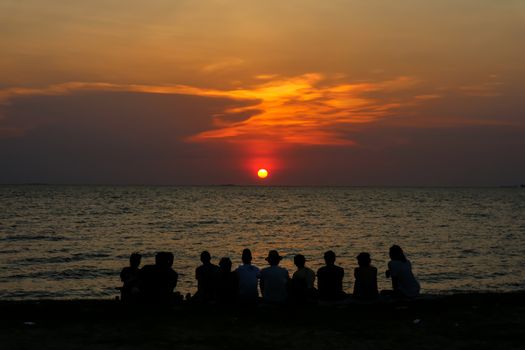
[309, 109]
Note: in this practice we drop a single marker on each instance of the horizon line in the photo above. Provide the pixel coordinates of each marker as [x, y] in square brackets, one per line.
[519, 185]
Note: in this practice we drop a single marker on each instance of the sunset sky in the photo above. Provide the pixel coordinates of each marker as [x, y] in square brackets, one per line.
[336, 92]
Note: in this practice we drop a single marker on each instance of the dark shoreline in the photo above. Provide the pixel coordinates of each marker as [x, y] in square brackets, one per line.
[459, 321]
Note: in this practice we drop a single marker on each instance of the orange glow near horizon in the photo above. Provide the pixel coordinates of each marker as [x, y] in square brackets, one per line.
[315, 92]
[273, 114]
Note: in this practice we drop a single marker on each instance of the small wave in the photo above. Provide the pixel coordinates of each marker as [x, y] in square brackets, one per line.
[88, 256]
[52, 260]
[45, 294]
[208, 222]
[477, 215]
[62, 259]
[470, 251]
[78, 274]
[35, 238]
[9, 251]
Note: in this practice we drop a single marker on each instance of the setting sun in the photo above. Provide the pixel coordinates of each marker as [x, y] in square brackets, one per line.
[262, 173]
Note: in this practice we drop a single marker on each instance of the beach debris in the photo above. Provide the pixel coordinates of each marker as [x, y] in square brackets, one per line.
[416, 321]
[29, 323]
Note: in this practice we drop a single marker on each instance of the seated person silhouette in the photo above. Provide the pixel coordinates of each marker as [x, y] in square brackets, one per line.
[302, 280]
[130, 278]
[248, 276]
[228, 283]
[365, 286]
[274, 280]
[169, 278]
[330, 279]
[404, 284]
[207, 276]
[157, 282]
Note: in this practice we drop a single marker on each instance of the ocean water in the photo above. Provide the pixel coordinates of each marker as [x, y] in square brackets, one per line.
[72, 241]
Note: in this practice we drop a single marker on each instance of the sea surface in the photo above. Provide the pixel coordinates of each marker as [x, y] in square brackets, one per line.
[65, 242]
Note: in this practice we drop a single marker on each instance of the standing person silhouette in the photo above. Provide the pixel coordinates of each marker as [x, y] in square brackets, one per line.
[248, 275]
[404, 284]
[274, 280]
[330, 279]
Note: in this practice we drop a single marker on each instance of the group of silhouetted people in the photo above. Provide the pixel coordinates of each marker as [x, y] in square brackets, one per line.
[151, 282]
[219, 284]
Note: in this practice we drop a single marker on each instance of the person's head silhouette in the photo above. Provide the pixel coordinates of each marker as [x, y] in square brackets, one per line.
[169, 259]
[299, 260]
[225, 264]
[273, 258]
[205, 257]
[246, 256]
[134, 260]
[396, 253]
[363, 259]
[164, 259]
[159, 258]
[329, 257]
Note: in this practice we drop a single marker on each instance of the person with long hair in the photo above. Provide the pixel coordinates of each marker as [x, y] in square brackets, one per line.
[404, 283]
[365, 286]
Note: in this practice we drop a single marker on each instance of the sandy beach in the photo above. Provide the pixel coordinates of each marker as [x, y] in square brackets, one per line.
[462, 321]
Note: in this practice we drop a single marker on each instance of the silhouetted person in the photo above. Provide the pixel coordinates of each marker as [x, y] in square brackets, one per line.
[207, 276]
[248, 276]
[157, 282]
[169, 277]
[228, 283]
[130, 278]
[302, 280]
[274, 280]
[404, 284]
[365, 286]
[330, 279]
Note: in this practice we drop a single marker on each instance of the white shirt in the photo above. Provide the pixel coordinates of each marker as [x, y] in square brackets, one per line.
[406, 282]
[248, 275]
[274, 279]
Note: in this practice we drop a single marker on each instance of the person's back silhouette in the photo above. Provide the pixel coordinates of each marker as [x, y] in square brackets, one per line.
[365, 286]
[404, 283]
[248, 275]
[158, 281]
[274, 280]
[302, 280]
[330, 279]
[168, 277]
[228, 282]
[207, 276]
[130, 278]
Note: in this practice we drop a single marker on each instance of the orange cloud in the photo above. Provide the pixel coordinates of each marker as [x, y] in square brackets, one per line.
[306, 109]
[309, 109]
[66, 88]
